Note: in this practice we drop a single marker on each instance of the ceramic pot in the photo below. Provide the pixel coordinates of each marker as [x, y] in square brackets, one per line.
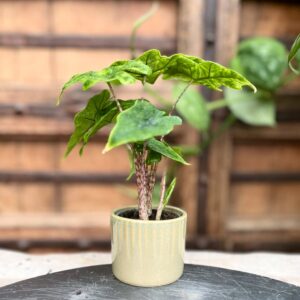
[148, 253]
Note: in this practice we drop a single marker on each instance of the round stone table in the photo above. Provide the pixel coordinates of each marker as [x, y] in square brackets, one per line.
[197, 282]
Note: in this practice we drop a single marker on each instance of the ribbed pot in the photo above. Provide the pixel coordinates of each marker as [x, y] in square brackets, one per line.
[148, 253]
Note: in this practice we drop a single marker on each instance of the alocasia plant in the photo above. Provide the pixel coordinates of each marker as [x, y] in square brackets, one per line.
[137, 123]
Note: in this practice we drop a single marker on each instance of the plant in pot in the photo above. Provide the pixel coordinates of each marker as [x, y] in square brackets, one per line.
[147, 242]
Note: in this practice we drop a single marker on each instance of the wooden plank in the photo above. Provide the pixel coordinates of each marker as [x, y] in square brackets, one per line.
[92, 198]
[190, 29]
[282, 132]
[265, 224]
[264, 156]
[219, 185]
[71, 61]
[263, 200]
[165, 45]
[14, 14]
[62, 177]
[190, 41]
[220, 155]
[270, 18]
[228, 24]
[112, 17]
[50, 220]
[26, 197]
[280, 240]
[26, 156]
[115, 162]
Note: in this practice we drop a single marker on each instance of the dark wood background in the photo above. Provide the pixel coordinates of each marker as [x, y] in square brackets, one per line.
[243, 193]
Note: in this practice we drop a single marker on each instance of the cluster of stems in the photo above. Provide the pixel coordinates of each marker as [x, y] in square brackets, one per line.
[145, 173]
[145, 179]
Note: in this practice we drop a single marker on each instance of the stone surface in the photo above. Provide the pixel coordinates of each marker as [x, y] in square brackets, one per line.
[16, 266]
[197, 282]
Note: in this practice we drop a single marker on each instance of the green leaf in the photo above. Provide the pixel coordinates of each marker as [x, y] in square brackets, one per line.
[263, 61]
[169, 192]
[192, 69]
[132, 166]
[141, 122]
[99, 112]
[166, 150]
[153, 157]
[120, 72]
[192, 107]
[294, 54]
[155, 61]
[253, 109]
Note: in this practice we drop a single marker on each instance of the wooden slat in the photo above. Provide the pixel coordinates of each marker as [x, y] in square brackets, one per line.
[112, 17]
[262, 200]
[282, 132]
[228, 23]
[270, 18]
[266, 224]
[220, 155]
[218, 185]
[55, 220]
[166, 45]
[262, 157]
[190, 41]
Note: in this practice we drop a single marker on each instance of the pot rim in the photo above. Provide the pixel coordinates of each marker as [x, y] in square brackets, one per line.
[179, 218]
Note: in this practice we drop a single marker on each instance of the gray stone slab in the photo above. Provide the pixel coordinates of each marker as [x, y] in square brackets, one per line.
[197, 282]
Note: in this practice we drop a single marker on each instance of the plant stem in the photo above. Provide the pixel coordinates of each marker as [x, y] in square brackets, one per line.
[114, 96]
[151, 184]
[142, 183]
[179, 97]
[216, 104]
[162, 196]
[138, 23]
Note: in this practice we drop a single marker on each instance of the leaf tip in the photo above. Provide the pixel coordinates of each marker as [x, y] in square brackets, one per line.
[253, 88]
[58, 100]
[106, 149]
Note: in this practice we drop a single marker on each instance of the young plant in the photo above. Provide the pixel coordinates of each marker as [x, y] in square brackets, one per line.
[137, 123]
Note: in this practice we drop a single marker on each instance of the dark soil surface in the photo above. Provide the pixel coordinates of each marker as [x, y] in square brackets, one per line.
[134, 214]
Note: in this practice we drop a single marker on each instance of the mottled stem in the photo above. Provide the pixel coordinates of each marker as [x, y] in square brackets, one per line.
[142, 184]
[179, 97]
[114, 97]
[151, 184]
[162, 196]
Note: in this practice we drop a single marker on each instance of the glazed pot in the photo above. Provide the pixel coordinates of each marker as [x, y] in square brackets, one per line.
[148, 253]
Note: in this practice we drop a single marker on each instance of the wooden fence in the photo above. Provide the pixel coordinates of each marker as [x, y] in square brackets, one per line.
[243, 193]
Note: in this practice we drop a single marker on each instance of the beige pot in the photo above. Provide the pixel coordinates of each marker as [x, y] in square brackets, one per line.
[148, 253]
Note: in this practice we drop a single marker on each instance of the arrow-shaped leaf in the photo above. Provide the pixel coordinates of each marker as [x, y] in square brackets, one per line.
[169, 192]
[120, 72]
[166, 150]
[99, 112]
[141, 122]
[192, 69]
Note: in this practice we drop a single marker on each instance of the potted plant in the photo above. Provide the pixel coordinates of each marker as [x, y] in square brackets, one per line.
[147, 242]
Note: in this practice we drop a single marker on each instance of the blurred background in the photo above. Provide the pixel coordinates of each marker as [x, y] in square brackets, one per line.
[242, 191]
